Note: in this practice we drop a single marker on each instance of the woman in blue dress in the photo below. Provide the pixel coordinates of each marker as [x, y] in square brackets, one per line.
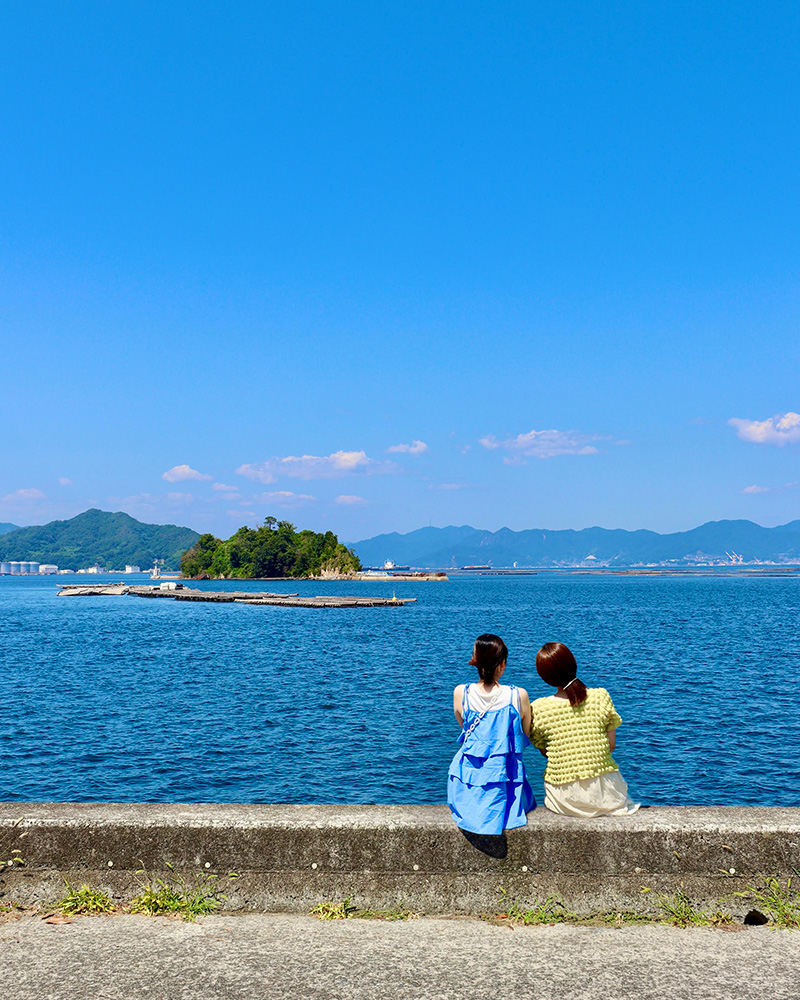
[487, 790]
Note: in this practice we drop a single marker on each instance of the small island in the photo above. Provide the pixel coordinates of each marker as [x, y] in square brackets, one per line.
[276, 549]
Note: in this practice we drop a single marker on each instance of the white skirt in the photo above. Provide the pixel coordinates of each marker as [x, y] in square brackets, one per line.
[606, 795]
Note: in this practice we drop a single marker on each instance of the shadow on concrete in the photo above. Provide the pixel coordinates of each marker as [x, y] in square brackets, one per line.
[494, 847]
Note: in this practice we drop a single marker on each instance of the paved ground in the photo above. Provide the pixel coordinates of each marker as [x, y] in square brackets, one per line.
[271, 956]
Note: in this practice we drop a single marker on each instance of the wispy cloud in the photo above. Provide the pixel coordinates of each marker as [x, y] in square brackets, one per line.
[339, 463]
[783, 428]
[63, 481]
[448, 486]
[348, 500]
[22, 496]
[285, 498]
[224, 488]
[183, 473]
[755, 490]
[543, 444]
[180, 498]
[415, 448]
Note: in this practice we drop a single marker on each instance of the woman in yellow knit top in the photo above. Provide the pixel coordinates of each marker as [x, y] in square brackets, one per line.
[575, 729]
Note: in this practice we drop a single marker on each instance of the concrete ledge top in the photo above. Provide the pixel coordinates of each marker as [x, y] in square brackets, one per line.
[744, 819]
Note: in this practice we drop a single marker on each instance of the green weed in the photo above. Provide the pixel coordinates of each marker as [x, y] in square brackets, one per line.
[549, 911]
[680, 911]
[347, 910]
[335, 911]
[10, 858]
[85, 901]
[780, 903]
[183, 899]
[392, 913]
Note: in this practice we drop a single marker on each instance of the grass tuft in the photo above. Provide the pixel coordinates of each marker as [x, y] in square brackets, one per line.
[347, 910]
[188, 900]
[335, 911]
[680, 911]
[85, 901]
[548, 911]
[780, 903]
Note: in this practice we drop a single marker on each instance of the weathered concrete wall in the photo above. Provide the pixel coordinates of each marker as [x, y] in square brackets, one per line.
[291, 857]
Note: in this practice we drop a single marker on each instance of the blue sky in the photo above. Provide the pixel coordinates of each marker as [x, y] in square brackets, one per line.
[373, 266]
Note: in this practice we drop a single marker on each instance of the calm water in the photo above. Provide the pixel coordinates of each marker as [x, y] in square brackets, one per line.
[124, 699]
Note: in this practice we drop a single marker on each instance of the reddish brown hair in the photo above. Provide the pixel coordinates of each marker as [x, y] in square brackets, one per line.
[556, 665]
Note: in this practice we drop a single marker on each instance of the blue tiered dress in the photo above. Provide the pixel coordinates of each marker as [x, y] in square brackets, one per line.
[487, 790]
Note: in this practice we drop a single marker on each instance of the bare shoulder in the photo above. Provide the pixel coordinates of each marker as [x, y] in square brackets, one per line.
[458, 692]
[523, 694]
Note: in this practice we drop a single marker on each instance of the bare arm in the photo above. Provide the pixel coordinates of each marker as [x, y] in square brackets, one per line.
[612, 738]
[525, 710]
[458, 695]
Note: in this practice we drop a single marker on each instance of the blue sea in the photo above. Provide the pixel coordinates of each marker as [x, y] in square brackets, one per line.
[125, 699]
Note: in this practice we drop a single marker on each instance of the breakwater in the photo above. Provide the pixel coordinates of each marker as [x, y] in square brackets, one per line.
[178, 592]
[289, 858]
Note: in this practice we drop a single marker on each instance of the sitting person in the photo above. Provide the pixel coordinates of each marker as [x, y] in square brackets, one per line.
[487, 790]
[575, 728]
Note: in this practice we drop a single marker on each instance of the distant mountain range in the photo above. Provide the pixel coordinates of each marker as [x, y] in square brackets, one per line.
[98, 536]
[713, 542]
[6, 527]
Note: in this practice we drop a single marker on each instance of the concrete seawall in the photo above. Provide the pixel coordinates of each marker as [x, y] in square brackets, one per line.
[288, 858]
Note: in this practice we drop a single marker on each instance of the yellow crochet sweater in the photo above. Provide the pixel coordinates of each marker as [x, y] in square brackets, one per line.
[575, 739]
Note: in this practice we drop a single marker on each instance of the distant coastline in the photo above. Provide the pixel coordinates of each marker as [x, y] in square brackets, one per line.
[96, 541]
[714, 544]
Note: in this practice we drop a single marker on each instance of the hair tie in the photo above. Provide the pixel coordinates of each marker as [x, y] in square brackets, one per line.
[570, 682]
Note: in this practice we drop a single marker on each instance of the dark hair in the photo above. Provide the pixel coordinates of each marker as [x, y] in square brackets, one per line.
[556, 665]
[488, 654]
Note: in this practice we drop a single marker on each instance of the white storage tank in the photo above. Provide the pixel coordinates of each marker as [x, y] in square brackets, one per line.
[5, 569]
[15, 568]
[33, 568]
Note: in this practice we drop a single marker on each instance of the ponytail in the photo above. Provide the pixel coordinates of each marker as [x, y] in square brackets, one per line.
[487, 655]
[575, 690]
[556, 665]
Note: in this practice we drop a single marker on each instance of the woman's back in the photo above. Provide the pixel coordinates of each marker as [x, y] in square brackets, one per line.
[487, 790]
[574, 737]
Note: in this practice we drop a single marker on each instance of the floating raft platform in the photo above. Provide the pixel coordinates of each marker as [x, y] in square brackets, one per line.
[177, 592]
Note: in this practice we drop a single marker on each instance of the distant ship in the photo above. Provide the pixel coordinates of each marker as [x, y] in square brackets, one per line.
[482, 566]
[388, 567]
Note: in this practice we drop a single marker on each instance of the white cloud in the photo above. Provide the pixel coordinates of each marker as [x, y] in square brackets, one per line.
[285, 498]
[223, 488]
[543, 444]
[240, 513]
[448, 486]
[339, 463]
[756, 489]
[21, 496]
[181, 473]
[783, 428]
[415, 448]
[259, 472]
[350, 501]
[63, 481]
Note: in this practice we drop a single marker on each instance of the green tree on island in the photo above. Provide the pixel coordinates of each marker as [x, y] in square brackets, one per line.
[275, 548]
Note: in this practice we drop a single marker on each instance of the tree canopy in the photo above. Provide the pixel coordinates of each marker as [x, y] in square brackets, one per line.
[275, 548]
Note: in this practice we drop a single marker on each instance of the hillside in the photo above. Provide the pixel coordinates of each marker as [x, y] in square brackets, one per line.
[6, 527]
[460, 546]
[97, 536]
[274, 549]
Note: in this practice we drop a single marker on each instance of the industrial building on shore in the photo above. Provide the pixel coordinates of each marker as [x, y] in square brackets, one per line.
[27, 569]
